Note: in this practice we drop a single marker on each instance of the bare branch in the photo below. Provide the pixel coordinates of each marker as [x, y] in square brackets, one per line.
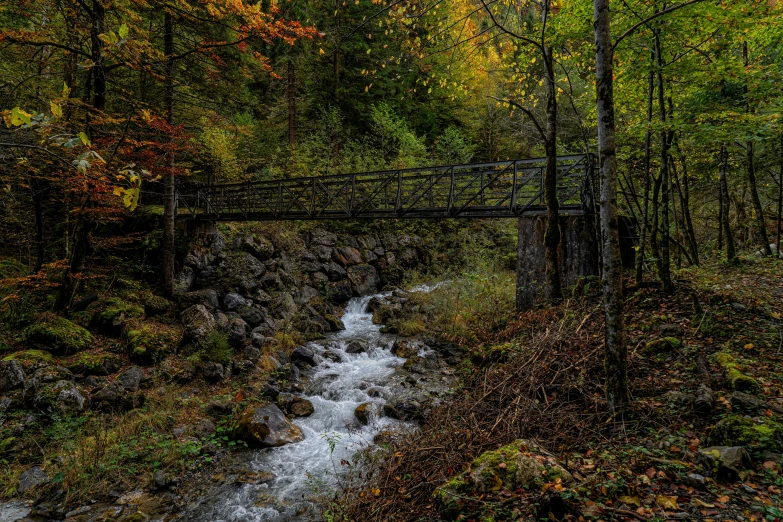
[527, 112]
[637, 25]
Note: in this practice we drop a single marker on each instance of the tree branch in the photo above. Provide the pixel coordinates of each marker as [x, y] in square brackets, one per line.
[527, 112]
[637, 25]
[508, 32]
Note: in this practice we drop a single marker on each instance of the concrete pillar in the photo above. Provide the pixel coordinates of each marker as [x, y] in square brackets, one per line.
[578, 256]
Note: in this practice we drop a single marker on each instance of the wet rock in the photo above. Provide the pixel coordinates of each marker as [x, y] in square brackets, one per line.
[335, 324]
[404, 348]
[198, 322]
[11, 375]
[364, 279]
[404, 410]
[131, 378]
[212, 371]
[374, 392]
[266, 427]
[233, 301]
[365, 412]
[299, 407]
[304, 355]
[254, 477]
[207, 298]
[340, 292]
[31, 478]
[723, 461]
[332, 356]
[356, 346]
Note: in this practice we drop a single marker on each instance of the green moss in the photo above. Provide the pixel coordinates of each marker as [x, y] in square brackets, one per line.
[662, 345]
[31, 357]
[156, 305]
[95, 364]
[110, 315]
[736, 430]
[151, 342]
[213, 347]
[738, 380]
[411, 362]
[58, 335]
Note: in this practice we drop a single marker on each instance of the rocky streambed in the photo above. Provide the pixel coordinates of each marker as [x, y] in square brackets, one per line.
[359, 387]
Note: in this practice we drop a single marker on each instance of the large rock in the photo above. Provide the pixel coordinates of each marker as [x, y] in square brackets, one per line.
[723, 461]
[736, 430]
[198, 322]
[271, 282]
[58, 335]
[31, 478]
[320, 236]
[346, 256]
[11, 375]
[151, 342]
[62, 395]
[303, 354]
[334, 271]
[95, 364]
[110, 315]
[299, 407]
[266, 427]
[233, 301]
[115, 398]
[340, 292]
[237, 331]
[131, 378]
[356, 346]
[253, 316]
[365, 412]
[744, 403]
[521, 464]
[285, 306]
[207, 298]
[364, 279]
[259, 246]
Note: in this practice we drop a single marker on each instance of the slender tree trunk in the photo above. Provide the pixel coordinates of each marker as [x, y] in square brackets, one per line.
[664, 266]
[98, 68]
[686, 208]
[168, 188]
[731, 253]
[291, 88]
[647, 151]
[754, 193]
[654, 227]
[35, 186]
[615, 356]
[780, 195]
[552, 234]
[79, 253]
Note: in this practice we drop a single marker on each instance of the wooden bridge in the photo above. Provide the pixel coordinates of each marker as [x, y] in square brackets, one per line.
[502, 189]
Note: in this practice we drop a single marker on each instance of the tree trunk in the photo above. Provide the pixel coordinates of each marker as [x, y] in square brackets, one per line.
[615, 363]
[98, 68]
[664, 266]
[731, 254]
[79, 253]
[168, 189]
[685, 195]
[552, 235]
[647, 150]
[780, 195]
[35, 185]
[720, 215]
[754, 193]
[291, 88]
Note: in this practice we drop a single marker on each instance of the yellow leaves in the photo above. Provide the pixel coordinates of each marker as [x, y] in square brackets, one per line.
[667, 502]
[321, 51]
[701, 503]
[376, 492]
[130, 195]
[369, 50]
[724, 499]
[629, 500]
[84, 139]
[57, 111]
[17, 117]
[749, 346]
[146, 115]
[66, 90]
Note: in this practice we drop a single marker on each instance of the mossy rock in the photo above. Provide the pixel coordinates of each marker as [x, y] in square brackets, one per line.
[662, 345]
[736, 430]
[151, 342]
[156, 305]
[738, 380]
[31, 358]
[95, 364]
[58, 335]
[110, 315]
[521, 464]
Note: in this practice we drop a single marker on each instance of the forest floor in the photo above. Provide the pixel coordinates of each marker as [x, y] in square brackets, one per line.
[539, 378]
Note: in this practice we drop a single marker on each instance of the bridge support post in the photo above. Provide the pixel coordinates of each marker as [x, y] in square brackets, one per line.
[577, 253]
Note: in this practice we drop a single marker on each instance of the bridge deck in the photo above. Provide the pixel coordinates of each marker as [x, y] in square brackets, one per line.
[479, 190]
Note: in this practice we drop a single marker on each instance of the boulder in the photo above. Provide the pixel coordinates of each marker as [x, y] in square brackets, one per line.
[356, 346]
[322, 253]
[110, 315]
[114, 398]
[258, 246]
[334, 271]
[219, 408]
[233, 301]
[346, 256]
[662, 345]
[303, 355]
[340, 292]
[744, 403]
[184, 280]
[736, 430]
[723, 461]
[299, 407]
[31, 359]
[204, 428]
[213, 371]
[409, 411]
[207, 298]
[365, 412]
[335, 324]
[94, 364]
[405, 349]
[31, 478]
[408, 257]
[521, 464]
[285, 306]
[62, 395]
[319, 279]
[11, 375]
[156, 305]
[151, 342]
[237, 333]
[266, 427]
[198, 322]
[131, 378]
[307, 294]
[58, 335]
[320, 236]
[253, 316]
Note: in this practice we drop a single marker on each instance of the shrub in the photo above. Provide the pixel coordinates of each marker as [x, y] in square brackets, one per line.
[213, 347]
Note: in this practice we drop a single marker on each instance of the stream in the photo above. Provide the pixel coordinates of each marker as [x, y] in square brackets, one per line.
[302, 471]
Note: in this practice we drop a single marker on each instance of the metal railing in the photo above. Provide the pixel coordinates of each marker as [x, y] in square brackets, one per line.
[478, 190]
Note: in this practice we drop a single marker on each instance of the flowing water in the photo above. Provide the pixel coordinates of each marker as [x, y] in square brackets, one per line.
[306, 469]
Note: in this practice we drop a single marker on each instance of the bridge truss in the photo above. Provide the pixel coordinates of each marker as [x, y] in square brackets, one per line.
[500, 189]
